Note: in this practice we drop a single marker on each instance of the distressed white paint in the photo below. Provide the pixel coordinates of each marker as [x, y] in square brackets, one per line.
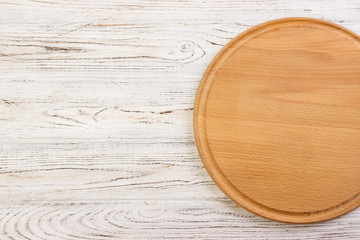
[96, 103]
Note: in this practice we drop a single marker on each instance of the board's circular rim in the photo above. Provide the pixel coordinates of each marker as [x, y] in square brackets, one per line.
[205, 154]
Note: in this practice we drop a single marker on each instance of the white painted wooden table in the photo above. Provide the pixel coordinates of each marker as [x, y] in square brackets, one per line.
[96, 102]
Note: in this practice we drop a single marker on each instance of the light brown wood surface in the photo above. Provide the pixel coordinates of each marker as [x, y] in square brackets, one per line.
[277, 120]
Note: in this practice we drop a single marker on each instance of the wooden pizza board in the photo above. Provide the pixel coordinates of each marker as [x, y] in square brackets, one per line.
[277, 120]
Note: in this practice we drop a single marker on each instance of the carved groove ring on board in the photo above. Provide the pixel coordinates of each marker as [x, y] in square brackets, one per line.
[277, 120]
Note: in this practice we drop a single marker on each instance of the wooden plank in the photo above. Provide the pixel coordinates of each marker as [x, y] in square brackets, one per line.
[159, 220]
[102, 40]
[71, 170]
[97, 110]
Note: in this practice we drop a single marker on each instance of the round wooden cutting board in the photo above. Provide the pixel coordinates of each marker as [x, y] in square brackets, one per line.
[277, 120]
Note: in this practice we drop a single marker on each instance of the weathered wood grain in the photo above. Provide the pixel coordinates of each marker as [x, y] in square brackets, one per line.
[159, 220]
[117, 109]
[96, 105]
[80, 170]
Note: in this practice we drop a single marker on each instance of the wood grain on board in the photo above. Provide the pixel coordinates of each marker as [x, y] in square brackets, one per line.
[96, 106]
[276, 120]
